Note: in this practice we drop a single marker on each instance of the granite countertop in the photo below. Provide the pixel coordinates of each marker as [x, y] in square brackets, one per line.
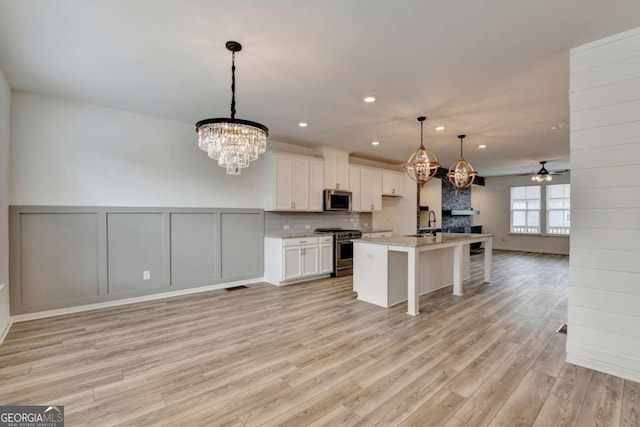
[299, 234]
[427, 240]
[294, 234]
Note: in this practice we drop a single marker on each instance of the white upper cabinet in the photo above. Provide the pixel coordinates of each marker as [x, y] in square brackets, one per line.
[392, 183]
[316, 179]
[293, 183]
[336, 168]
[366, 188]
[354, 182]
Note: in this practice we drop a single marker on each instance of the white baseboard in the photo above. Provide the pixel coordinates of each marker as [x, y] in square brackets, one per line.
[6, 331]
[599, 365]
[539, 251]
[125, 301]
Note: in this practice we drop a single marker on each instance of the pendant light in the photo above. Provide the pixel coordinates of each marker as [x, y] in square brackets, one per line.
[461, 173]
[232, 142]
[423, 164]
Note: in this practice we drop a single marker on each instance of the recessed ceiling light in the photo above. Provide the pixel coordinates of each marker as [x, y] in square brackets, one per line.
[482, 146]
[303, 124]
[375, 142]
[554, 127]
[370, 98]
[440, 128]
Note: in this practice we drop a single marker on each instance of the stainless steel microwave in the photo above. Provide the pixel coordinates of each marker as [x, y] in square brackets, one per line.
[337, 200]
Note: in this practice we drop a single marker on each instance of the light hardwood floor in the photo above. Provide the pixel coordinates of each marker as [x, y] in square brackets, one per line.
[311, 354]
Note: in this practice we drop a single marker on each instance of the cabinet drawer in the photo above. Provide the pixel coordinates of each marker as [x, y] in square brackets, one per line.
[303, 241]
[326, 239]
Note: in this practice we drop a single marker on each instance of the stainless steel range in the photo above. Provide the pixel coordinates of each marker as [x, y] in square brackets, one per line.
[342, 249]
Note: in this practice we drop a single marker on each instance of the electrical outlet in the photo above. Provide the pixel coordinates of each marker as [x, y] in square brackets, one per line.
[307, 227]
[146, 275]
[366, 224]
[286, 226]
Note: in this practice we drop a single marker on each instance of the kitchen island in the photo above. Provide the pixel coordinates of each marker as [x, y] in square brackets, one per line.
[390, 270]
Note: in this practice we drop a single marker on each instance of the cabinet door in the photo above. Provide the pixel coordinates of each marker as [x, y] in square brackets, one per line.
[326, 258]
[282, 183]
[310, 260]
[392, 183]
[342, 172]
[376, 189]
[300, 184]
[354, 182]
[398, 186]
[316, 182]
[292, 263]
[366, 190]
[330, 172]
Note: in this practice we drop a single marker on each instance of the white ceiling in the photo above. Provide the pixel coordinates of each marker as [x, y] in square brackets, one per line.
[495, 70]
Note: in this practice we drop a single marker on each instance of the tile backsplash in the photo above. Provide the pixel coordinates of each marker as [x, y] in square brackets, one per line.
[297, 221]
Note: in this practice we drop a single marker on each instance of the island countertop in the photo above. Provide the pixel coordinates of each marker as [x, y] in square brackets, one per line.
[426, 240]
[387, 270]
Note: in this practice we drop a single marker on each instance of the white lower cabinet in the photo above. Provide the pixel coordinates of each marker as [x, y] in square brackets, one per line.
[293, 260]
[326, 255]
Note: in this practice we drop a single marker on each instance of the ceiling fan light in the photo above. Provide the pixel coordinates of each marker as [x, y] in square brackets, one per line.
[543, 174]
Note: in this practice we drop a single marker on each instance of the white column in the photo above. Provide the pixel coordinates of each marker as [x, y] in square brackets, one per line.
[457, 269]
[488, 260]
[413, 297]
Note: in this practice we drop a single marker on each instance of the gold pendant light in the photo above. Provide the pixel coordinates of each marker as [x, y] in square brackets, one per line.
[461, 174]
[423, 164]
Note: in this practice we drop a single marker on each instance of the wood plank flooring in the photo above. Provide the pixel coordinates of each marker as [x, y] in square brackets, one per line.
[311, 354]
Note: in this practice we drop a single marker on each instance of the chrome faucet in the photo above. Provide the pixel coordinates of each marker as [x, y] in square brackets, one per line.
[430, 221]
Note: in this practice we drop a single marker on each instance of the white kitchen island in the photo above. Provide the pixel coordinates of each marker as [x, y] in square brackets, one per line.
[390, 270]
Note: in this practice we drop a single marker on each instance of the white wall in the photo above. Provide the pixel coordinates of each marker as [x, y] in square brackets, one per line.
[5, 109]
[431, 196]
[399, 213]
[604, 291]
[493, 202]
[69, 153]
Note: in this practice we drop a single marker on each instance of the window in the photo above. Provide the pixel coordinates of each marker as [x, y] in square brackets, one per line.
[558, 209]
[525, 209]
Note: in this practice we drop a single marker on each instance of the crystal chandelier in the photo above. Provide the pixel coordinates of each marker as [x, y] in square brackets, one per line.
[461, 173]
[423, 164]
[232, 142]
[543, 174]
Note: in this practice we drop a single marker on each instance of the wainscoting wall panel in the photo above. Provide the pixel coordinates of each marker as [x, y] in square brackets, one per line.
[70, 256]
[193, 249]
[134, 245]
[241, 245]
[59, 258]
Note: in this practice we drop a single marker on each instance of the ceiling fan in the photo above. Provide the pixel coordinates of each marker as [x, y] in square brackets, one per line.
[544, 175]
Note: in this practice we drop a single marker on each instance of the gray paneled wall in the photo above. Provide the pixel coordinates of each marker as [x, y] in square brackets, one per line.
[67, 256]
[192, 248]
